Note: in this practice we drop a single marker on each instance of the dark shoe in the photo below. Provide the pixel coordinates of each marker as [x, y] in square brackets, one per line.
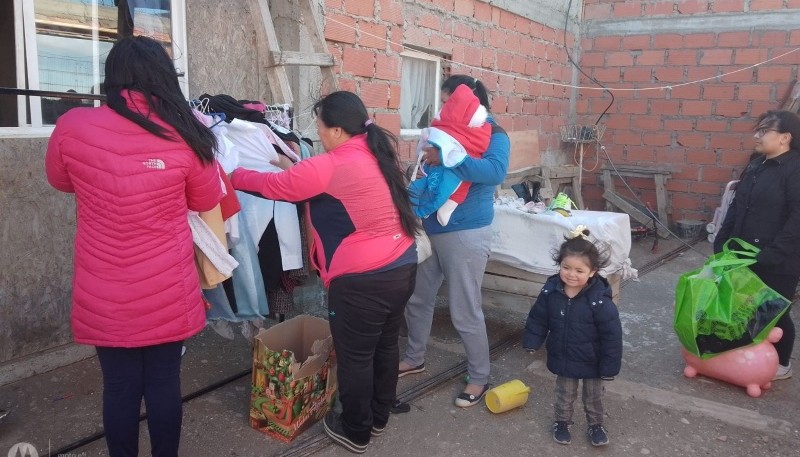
[417, 369]
[377, 431]
[561, 433]
[465, 400]
[399, 407]
[597, 433]
[333, 427]
[3, 413]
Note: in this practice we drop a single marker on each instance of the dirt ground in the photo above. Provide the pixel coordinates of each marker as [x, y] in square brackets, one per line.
[652, 409]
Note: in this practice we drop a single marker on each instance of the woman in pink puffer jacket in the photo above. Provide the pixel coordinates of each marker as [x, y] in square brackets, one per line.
[136, 166]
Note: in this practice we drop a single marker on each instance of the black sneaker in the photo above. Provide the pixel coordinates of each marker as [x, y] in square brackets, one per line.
[377, 431]
[333, 427]
[399, 407]
[597, 433]
[561, 433]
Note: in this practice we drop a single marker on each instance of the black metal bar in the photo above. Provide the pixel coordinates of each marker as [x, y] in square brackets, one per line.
[50, 93]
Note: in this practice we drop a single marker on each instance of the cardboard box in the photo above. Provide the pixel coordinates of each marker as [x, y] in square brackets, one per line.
[294, 377]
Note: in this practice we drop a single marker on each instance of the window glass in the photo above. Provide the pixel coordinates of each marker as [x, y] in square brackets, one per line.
[61, 46]
[418, 92]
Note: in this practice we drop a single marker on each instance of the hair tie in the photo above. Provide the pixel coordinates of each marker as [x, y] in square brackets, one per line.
[367, 123]
[578, 232]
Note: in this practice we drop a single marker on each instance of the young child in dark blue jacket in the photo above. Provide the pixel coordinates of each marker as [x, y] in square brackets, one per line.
[576, 316]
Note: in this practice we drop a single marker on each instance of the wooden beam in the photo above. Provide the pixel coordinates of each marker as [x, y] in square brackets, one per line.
[311, 17]
[276, 75]
[300, 58]
[632, 211]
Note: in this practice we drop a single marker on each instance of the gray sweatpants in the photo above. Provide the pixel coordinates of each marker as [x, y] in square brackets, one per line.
[460, 258]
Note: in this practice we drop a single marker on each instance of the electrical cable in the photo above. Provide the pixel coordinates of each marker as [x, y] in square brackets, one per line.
[569, 57]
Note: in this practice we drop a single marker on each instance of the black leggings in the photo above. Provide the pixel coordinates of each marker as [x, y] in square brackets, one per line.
[786, 286]
[130, 374]
[365, 311]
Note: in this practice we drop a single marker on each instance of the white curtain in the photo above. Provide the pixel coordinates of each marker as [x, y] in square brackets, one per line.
[417, 93]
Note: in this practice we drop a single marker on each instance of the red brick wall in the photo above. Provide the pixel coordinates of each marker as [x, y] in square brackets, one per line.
[487, 39]
[704, 129]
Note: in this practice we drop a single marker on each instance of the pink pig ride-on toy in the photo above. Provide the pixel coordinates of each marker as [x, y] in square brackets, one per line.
[751, 367]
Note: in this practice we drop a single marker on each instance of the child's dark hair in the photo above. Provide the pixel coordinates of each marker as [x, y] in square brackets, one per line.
[581, 246]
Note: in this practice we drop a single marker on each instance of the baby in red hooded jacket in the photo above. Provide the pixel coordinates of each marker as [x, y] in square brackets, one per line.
[459, 130]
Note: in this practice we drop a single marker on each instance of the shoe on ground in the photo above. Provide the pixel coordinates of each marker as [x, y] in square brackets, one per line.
[333, 428]
[399, 407]
[3, 413]
[377, 431]
[561, 433]
[417, 369]
[465, 400]
[598, 435]
[784, 372]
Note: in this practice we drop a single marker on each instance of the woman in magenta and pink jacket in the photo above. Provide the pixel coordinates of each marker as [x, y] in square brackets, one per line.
[136, 166]
[363, 246]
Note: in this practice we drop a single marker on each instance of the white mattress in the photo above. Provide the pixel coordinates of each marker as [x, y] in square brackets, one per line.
[527, 241]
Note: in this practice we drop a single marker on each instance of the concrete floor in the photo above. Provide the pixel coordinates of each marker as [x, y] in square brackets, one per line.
[651, 408]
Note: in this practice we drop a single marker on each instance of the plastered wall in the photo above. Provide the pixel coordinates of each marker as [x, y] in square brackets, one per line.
[36, 230]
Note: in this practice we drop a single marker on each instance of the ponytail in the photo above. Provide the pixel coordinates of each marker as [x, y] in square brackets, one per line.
[383, 145]
[345, 110]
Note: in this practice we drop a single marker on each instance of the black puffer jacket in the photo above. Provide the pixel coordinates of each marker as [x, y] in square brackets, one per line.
[765, 212]
[584, 334]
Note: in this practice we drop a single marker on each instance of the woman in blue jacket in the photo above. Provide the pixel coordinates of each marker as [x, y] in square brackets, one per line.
[460, 252]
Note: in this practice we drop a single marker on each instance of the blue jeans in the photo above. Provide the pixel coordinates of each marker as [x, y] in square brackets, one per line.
[130, 374]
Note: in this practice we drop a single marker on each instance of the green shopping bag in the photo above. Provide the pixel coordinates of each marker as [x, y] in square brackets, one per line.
[724, 305]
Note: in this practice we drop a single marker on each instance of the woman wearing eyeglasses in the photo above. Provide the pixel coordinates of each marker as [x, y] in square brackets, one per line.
[766, 213]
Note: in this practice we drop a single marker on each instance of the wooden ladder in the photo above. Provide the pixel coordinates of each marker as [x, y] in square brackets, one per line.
[279, 86]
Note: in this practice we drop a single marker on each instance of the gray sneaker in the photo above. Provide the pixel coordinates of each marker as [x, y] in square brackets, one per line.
[783, 372]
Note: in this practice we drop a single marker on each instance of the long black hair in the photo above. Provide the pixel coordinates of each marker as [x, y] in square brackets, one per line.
[450, 84]
[345, 110]
[141, 64]
[782, 121]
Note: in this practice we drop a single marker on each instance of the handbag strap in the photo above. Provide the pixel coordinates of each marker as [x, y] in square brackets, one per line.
[731, 263]
[747, 249]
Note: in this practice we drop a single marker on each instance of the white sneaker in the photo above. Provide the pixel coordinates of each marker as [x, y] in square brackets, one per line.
[784, 372]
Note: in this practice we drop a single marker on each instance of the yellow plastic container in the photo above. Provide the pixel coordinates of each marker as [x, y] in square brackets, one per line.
[507, 396]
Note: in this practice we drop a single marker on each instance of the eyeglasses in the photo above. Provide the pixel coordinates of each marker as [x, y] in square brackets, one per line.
[763, 131]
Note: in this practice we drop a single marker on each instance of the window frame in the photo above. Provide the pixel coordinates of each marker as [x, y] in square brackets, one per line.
[436, 101]
[24, 20]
